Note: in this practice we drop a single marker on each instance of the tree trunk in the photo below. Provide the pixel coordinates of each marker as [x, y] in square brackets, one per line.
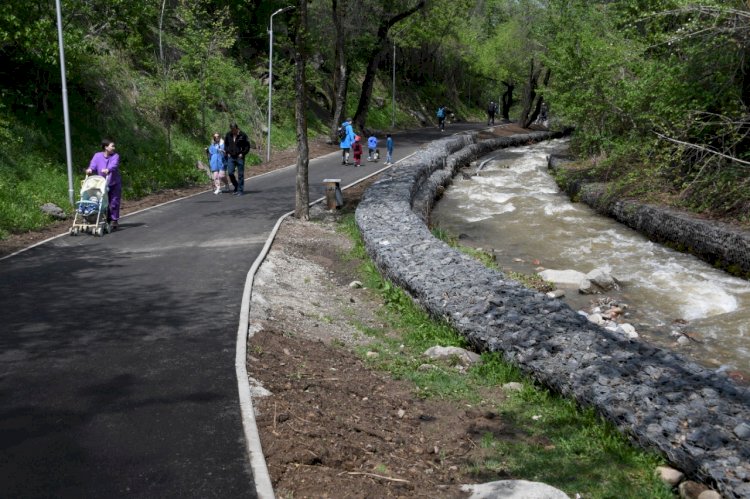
[341, 70]
[507, 99]
[531, 103]
[302, 191]
[360, 117]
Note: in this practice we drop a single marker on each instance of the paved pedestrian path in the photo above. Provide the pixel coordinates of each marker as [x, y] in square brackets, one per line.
[117, 372]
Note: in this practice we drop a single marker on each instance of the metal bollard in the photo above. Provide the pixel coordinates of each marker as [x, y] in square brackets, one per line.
[334, 197]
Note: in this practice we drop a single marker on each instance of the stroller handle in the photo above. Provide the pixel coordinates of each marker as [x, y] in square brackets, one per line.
[109, 175]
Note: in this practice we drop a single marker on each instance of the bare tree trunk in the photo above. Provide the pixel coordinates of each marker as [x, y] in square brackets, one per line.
[531, 103]
[360, 116]
[165, 73]
[302, 191]
[507, 99]
[341, 70]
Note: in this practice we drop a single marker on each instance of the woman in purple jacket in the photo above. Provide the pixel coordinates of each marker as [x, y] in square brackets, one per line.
[107, 162]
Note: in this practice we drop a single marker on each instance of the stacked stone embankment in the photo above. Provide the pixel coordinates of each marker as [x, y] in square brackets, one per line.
[715, 242]
[698, 418]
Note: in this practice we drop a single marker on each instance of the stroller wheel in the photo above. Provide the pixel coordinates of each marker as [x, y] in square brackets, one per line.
[108, 228]
[100, 231]
[74, 231]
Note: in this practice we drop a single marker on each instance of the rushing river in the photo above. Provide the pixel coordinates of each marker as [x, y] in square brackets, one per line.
[514, 208]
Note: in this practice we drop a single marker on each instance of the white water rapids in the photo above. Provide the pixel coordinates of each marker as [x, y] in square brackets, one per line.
[514, 207]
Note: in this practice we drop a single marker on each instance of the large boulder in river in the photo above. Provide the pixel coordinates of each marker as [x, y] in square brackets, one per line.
[596, 281]
[602, 278]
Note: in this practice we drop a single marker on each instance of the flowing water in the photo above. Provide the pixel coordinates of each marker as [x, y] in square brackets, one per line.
[514, 208]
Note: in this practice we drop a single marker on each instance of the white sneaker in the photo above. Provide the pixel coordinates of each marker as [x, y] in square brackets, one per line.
[218, 190]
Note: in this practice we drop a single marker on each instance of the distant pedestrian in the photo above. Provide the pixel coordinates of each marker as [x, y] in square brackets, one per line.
[441, 118]
[346, 140]
[543, 117]
[372, 147]
[236, 146]
[357, 151]
[388, 149]
[491, 111]
[107, 164]
[217, 161]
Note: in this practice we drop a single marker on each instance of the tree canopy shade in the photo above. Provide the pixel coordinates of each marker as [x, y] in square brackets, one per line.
[655, 88]
[661, 84]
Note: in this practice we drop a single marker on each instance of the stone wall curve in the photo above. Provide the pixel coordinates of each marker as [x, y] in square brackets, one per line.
[699, 419]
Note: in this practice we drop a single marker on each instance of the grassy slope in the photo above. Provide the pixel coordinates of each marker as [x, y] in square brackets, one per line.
[121, 105]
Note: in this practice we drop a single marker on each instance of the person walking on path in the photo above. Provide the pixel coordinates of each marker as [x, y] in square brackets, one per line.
[357, 151]
[441, 118]
[491, 111]
[388, 149]
[217, 163]
[346, 139]
[107, 162]
[372, 147]
[236, 145]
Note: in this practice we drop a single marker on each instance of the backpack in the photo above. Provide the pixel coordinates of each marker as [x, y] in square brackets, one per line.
[341, 133]
[441, 112]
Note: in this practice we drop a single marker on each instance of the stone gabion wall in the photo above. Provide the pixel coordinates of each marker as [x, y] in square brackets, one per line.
[712, 241]
[699, 419]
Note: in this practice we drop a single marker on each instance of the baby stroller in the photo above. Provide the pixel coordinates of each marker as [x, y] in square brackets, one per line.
[92, 208]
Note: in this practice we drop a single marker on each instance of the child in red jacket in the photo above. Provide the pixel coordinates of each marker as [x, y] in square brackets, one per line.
[357, 151]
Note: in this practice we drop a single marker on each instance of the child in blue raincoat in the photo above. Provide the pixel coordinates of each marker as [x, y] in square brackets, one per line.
[372, 147]
[217, 163]
[388, 149]
[346, 140]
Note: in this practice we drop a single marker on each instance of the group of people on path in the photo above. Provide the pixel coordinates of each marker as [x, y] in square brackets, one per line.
[227, 155]
[350, 143]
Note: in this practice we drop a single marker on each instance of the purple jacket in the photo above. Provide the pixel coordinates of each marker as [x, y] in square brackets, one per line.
[99, 162]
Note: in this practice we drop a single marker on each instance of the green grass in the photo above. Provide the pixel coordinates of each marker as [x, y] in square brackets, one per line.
[552, 439]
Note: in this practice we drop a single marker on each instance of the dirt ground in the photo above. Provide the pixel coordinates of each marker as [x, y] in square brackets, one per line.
[331, 426]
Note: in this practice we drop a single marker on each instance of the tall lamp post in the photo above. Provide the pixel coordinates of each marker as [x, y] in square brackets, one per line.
[270, 76]
[66, 119]
[393, 88]
[393, 91]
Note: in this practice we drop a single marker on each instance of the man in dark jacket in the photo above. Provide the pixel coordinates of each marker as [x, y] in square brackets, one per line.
[491, 111]
[236, 145]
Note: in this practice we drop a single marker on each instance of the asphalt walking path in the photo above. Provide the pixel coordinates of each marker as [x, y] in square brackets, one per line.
[117, 373]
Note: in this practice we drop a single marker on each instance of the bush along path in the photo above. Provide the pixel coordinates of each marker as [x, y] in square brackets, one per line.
[697, 418]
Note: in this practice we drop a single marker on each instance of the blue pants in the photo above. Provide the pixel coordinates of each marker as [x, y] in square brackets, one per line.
[239, 181]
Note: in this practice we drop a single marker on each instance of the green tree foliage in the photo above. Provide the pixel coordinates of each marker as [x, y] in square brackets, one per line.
[660, 84]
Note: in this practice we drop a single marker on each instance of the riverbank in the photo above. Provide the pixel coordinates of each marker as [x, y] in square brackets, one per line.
[723, 243]
[659, 397]
[351, 406]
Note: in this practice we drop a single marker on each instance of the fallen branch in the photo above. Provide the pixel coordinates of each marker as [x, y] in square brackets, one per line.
[401, 480]
[704, 149]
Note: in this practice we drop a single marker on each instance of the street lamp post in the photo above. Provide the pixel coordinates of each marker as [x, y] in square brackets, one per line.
[393, 90]
[66, 118]
[270, 76]
[393, 85]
